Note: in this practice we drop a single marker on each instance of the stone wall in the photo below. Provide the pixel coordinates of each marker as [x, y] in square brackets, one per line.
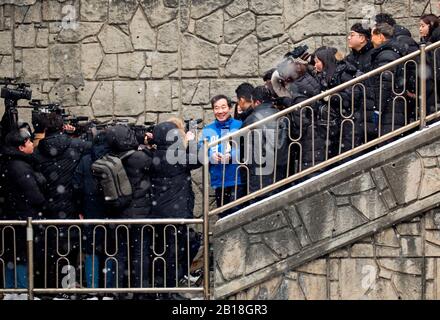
[374, 209]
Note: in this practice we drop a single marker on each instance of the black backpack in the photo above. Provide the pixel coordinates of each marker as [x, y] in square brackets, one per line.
[110, 173]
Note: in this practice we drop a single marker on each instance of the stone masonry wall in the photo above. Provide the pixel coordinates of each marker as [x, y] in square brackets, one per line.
[148, 59]
[369, 229]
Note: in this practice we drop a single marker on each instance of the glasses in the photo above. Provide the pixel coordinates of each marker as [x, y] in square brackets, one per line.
[353, 34]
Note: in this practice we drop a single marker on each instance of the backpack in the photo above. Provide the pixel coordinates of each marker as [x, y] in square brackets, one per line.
[110, 173]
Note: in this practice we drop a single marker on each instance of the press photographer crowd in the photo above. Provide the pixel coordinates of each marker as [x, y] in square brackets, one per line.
[63, 166]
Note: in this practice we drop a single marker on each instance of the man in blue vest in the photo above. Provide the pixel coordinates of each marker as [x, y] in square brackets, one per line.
[224, 157]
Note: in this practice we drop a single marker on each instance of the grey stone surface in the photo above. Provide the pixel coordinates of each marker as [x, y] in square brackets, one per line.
[35, 71]
[198, 53]
[121, 11]
[143, 36]
[239, 27]
[211, 27]
[158, 13]
[94, 10]
[158, 96]
[6, 40]
[237, 7]
[130, 65]
[25, 35]
[129, 97]
[164, 64]
[265, 7]
[202, 8]
[91, 58]
[109, 67]
[269, 27]
[65, 61]
[244, 60]
[234, 244]
[84, 30]
[272, 58]
[113, 40]
[168, 37]
[102, 101]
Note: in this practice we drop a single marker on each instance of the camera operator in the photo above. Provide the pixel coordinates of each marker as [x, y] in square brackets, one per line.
[23, 197]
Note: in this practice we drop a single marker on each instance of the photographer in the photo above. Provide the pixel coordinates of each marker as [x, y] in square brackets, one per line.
[23, 197]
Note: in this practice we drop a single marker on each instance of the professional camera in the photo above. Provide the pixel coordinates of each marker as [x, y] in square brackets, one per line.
[12, 92]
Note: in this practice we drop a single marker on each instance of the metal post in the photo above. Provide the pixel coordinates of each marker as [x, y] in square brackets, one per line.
[30, 258]
[423, 75]
[206, 219]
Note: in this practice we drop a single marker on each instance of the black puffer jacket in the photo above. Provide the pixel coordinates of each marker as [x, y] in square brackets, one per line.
[386, 53]
[361, 59]
[173, 196]
[271, 142]
[57, 156]
[121, 139]
[22, 185]
[403, 36]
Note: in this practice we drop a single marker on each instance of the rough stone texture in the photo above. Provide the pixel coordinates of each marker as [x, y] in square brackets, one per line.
[25, 36]
[94, 10]
[129, 97]
[244, 60]
[35, 71]
[365, 251]
[197, 53]
[157, 13]
[158, 96]
[84, 30]
[121, 11]
[239, 27]
[6, 40]
[91, 58]
[168, 37]
[269, 27]
[143, 36]
[211, 27]
[114, 40]
[130, 65]
[65, 63]
[202, 8]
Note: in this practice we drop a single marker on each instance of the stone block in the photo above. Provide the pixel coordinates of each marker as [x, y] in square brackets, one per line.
[269, 27]
[387, 252]
[198, 54]
[142, 35]
[334, 269]
[332, 5]
[159, 96]
[409, 287]
[295, 11]
[35, 71]
[412, 246]
[283, 242]
[121, 11]
[42, 38]
[409, 229]
[244, 61]
[412, 266]
[370, 204]
[130, 65]
[237, 7]
[258, 256]
[164, 64]
[263, 7]
[158, 14]
[25, 35]
[430, 183]
[355, 185]
[83, 31]
[397, 8]
[91, 58]
[239, 27]
[64, 94]
[6, 65]
[168, 37]
[108, 68]
[264, 46]
[357, 277]
[312, 25]
[51, 10]
[202, 8]
[85, 92]
[211, 27]
[347, 218]
[362, 250]
[195, 92]
[65, 62]
[317, 267]
[229, 253]
[102, 100]
[94, 10]
[6, 41]
[314, 287]
[113, 40]
[129, 97]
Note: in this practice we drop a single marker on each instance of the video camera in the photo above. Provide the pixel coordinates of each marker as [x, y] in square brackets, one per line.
[12, 92]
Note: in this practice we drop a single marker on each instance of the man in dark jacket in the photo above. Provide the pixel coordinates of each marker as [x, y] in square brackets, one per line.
[389, 113]
[121, 139]
[268, 148]
[361, 47]
[57, 157]
[244, 101]
[23, 198]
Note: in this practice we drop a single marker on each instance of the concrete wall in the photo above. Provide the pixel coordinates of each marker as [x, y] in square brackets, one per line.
[366, 208]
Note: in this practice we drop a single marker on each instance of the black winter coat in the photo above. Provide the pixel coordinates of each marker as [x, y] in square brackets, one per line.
[122, 139]
[22, 186]
[386, 53]
[361, 59]
[271, 142]
[57, 156]
[173, 196]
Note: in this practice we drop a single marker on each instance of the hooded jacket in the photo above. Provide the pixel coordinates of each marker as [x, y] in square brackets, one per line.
[121, 139]
[172, 163]
[57, 156]
[361, 59]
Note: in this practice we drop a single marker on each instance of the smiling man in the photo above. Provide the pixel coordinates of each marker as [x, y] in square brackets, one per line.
[223, 157]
